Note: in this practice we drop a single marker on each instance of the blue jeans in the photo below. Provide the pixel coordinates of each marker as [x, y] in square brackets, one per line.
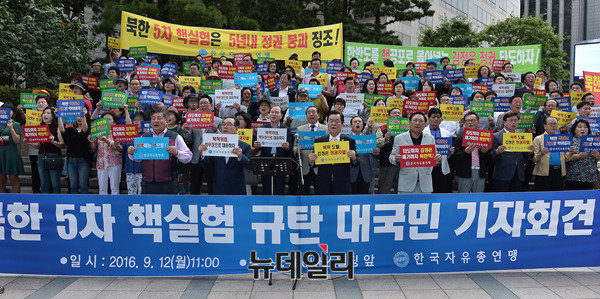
[79, 171]
[48, 178]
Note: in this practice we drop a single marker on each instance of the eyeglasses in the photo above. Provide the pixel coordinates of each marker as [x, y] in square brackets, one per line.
[472, 120]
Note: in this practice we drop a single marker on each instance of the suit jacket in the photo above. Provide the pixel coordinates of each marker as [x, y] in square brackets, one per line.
[409, 177]
[334, 178]
[280, 151]
[444, 133]
[542, 162]
[194, 137]
[228, 177]
[363, 163]
[462, 161]
[507, 163]
[305, 152]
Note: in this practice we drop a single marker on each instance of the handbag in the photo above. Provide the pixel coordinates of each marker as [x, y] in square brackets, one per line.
[53, 163]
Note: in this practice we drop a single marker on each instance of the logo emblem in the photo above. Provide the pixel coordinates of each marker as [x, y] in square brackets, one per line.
[401, 259]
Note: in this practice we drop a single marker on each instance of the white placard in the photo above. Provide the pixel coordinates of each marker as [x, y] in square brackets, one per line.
[354, 102]
[220, 145]
[228, 97]
[516, 77]
[283, 102]
[271, 137]
[504, 90]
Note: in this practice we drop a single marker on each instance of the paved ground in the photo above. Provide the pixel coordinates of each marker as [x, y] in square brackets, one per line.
[538, 283]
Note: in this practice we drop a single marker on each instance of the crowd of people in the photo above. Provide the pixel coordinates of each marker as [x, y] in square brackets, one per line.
[466, 169]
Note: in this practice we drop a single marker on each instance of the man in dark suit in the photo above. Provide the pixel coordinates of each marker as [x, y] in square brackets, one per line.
[509, 168]
[275, 116]
[228, 172]
[335, 178]
[471, 163]
[528, 80]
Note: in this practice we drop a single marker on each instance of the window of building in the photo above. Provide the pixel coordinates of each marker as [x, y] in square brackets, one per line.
[458, 6]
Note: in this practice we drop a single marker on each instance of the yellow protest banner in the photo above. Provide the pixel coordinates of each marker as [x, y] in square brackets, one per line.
[166, 38]
[32, 117]
[452, 112]
[538, 83]
[296, 65]
[332, 152]
[376, 70]
[379, 114]
[517, 142]
[395, 103]
[563, 118]
[471, 71]
[576, 97]
[115, 43]
[245, 135]
[390, 72]
[191, 81]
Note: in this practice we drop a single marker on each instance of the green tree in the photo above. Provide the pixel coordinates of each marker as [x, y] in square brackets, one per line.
[516, 31]
[41, 45]
[456, 32]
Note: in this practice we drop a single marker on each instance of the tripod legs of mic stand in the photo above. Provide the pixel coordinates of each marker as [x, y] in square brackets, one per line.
[293, 286]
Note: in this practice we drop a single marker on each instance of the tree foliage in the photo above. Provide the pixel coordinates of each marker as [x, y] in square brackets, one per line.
[456, 32]
[513, 31]
[41, 45]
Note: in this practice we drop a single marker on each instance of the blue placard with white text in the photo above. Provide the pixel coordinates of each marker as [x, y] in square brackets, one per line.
[594, 123]
[501, 104]
[151, 148]
[363, 77]
[558, 142]
[410, 83]
[69, 108]
[443, 145]
[4, 115]
[589, 143]
[145, 126]
[167, 99]
[460, 99]
[170, 235]
[436, 77]
[467, 89]
[334, 67]
[245, 80]
[313, 90]
[168, 70]
[365, 144]
[297, 110]
[453, 74]
[564, 104]
[306, 139]
[150, 96]
[126, 65]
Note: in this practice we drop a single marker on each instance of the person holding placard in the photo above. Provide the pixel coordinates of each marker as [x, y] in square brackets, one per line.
[388, 172]
[362, 176]
[528, 80]
[471, 162]
[109, 160]
[312, 125]
[79, 152]
[11, 164]
[160, 176]
[275, 116]
[41, 102]
[50, 162]
[451, 126]
[581, 170]
[516, 103]
[414, 179]
[509, 167]
[194, 137]
[228, 172]
[540, 117]
[334, 179]
[441, 177]
[264, 107]
[133, 169]
[550, 170]
[315, 65]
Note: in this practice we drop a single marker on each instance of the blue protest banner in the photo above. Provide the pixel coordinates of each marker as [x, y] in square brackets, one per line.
[594, 123]
[297, 110]
[167, 99]
[4, 115]
[489, 81]
[365, 144]
[306, 139]
[170, 235]
[436, 60]
[453, 74]
[363, 77]
[168, 70]
[436, 77]
[460, 100]
[410, 83]
[151, 148]
[558, 142]
[564, 104]
[145, 127]
[262, 68]
[126, 65]
[589, 143]
[313, 90]
[443, 145]
[334, 67]
[467, 89]
[245, 80]
[69, 108]
[150, 96]
[152, 65]
[501, 104]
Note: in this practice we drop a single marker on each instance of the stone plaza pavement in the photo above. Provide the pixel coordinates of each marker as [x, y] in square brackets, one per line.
[536, 283]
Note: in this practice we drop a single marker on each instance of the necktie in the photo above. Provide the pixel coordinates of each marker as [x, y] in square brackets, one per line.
[312, 127]
[334, 139]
